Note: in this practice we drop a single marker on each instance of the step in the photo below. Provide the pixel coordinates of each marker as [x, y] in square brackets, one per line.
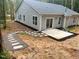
[10, 38]
[10, 35]
[17, 43]
[13, 41]
[18, 47]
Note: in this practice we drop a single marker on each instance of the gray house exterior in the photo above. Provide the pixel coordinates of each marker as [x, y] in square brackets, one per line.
[43, 0]
[41, 16]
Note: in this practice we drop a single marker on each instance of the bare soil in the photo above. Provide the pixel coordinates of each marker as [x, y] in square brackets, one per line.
[45, 47]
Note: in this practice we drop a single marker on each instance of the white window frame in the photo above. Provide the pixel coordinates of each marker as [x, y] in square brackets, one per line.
[19, 16]
[35, 21]
[59, 21]
[24, 17]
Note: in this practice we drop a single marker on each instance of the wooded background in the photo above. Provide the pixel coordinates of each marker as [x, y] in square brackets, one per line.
[72, 4]
[9, 7]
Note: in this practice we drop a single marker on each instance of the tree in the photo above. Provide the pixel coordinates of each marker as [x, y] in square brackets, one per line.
[17, 4]
[2, 20]
[2, 13]
[72, 4]
[0, 41]
[76, 6]
[12, 8]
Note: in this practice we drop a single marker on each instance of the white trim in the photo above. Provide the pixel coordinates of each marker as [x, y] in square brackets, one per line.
[52, 21]
[78, 20]
[40, 27]
[35, 21]
[64, 23]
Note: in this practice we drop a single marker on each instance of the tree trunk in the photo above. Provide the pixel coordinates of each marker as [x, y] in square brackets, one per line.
[0, 41]
[12, 9]
[4, 16]
[72, 4]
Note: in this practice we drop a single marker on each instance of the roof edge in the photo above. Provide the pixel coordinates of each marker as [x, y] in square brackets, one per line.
[32, 7]
[19, 6]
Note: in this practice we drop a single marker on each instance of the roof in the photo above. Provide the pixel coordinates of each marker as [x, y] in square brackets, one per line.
[49, 8]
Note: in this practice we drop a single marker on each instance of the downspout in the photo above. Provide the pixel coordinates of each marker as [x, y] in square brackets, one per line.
[64, 23]
[65, 20]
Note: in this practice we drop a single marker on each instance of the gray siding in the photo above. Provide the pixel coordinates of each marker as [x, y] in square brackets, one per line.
[29, 13]
[71, 21]
[55, 21]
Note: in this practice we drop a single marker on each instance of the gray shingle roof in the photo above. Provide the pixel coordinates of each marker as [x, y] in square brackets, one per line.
[48, 8]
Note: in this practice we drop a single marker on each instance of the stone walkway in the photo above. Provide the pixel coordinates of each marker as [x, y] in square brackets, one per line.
[13, 43]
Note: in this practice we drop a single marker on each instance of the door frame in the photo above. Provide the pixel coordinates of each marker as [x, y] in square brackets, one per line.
[46, 21]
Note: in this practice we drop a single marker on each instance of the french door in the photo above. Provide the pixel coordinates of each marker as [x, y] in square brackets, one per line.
[49, 23]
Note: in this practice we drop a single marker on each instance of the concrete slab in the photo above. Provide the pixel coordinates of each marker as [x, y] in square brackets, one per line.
[10, 38]
[18, 47]
[58, 34]
[10, 35]
[17, 43]
[13, 41]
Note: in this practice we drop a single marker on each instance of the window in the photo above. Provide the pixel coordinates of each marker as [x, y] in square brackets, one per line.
[34, 20]
[74, 20]
[19, 17]
[59, 20]
[24, 17]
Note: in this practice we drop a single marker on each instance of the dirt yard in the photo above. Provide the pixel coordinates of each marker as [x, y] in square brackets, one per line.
[45, 47]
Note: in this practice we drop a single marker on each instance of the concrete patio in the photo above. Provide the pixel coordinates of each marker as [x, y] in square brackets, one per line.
[57, 34]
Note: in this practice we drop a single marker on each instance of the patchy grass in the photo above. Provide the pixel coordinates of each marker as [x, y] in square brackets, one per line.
[45, 47]
[23, 33]
[73, 29]
[5, 55]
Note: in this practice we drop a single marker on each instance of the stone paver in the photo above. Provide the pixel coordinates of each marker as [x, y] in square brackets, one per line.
[17, 43]
[13, 42]
[18, 47]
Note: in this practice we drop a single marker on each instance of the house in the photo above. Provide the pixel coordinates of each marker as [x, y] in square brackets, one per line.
[41, 16]
[43, 0]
